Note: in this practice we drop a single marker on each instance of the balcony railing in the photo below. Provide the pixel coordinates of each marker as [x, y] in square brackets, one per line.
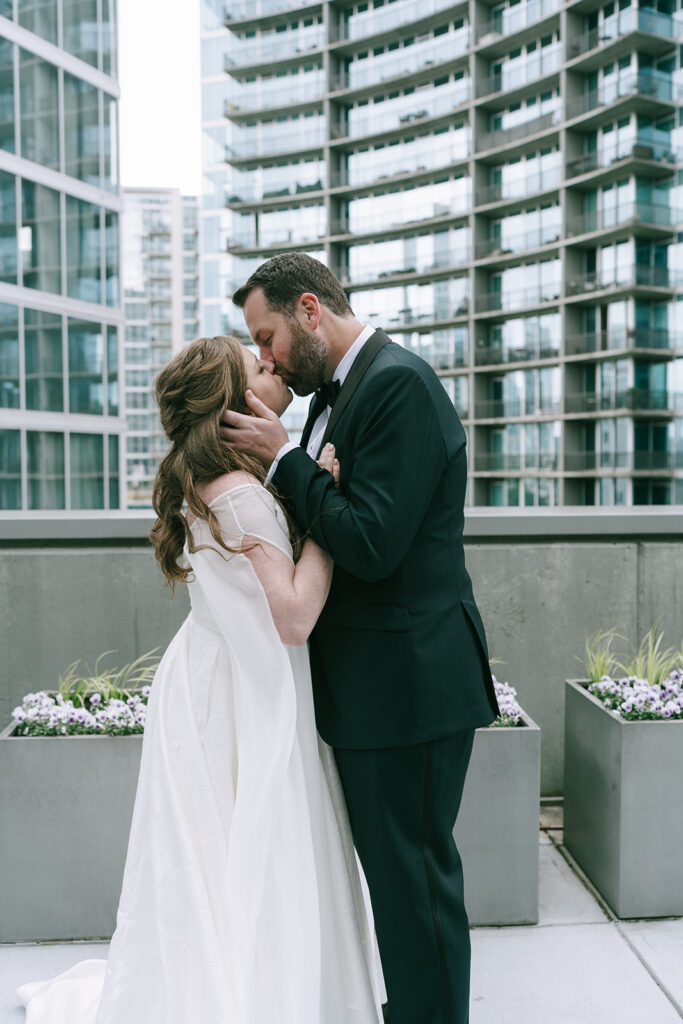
[491, 355]
[272, 93]
[586, 461]
[624, 277]
[515, 462]
[432, 313]
[544, 62]
[252, 193]
[505, 136]
[360, 224]
[621, 24]
[420, 107]
[514, 19]
[638, 149]
[629, 83]
[306, 139]
[504, 408]
[412, 162]
[630, 400]
[281, 46]
[624, 338]
[516, 244]
[371, 22]
[240, 9]
[380, 272]
[520, 187]
[653, 214]
[405, 62]
[518, 298]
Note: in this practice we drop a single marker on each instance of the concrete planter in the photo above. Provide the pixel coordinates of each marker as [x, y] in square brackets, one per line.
[65, 805]
[497, 827]
[623, 805]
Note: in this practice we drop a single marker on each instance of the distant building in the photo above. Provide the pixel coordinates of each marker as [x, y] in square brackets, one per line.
[497, 185]
[160, 268]
[61, 423]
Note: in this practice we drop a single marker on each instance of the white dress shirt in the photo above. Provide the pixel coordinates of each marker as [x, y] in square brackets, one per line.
[318, 431]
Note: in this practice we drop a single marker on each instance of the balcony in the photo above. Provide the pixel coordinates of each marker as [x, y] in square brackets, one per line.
[502, 354]
[544, 62]
[275, 94]
[309, 140]
[373, 22]
[434, 313]
[657, 91]
[630, 400]
[514, 19]
[519, 189]
[360, 224]
[503, 137]
[635, 276]
[282, 46]
[407, 61]
[518, 298]
[253, 10]
[515, 462]
[632, 461]
[444, 262]
[640, 149]
[516, 407]
[412, 162]
[516, 245]
[624, 215]
[642, 338]
[409, 113]
[625, 22]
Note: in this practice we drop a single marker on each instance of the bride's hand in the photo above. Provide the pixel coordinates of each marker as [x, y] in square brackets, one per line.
[327, 461]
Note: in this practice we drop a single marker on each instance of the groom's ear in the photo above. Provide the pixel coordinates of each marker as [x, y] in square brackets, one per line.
[309, 305]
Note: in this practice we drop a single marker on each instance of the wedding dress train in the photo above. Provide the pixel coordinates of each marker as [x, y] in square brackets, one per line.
[241, 899]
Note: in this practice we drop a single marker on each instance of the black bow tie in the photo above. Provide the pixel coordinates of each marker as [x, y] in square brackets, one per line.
[327, 393]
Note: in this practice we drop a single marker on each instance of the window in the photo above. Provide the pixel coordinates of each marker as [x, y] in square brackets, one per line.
[44, 368]
[10, 470]
[86, 359]
[39, 111]
[87, 470]
[83, 278]
[81, 130]
[45, 455]
[40, 237]
[9, 357]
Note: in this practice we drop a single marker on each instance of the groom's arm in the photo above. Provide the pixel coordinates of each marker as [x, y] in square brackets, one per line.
[391, 471]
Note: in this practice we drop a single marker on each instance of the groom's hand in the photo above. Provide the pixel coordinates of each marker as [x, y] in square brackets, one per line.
[261, 435]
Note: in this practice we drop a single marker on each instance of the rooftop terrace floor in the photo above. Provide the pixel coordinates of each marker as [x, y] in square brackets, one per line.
[579, 965]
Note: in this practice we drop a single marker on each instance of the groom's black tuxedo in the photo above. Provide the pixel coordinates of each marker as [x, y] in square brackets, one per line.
[399, 654]
[399, 659]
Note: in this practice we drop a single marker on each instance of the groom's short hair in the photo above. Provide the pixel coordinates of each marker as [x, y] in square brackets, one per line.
[286, 277]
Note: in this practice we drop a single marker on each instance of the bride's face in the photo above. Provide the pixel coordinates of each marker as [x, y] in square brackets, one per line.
[265, 384]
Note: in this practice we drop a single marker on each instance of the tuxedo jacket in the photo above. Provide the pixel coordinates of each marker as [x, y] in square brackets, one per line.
[398, 655]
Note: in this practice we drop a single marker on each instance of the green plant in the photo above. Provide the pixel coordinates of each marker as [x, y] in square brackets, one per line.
[77, 683]
[650, 661]
[598, 657]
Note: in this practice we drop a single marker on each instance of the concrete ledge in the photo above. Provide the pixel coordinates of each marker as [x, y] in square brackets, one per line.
[480, 524]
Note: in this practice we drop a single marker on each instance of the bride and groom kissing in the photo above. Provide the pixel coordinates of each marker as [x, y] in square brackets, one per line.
[270, 768]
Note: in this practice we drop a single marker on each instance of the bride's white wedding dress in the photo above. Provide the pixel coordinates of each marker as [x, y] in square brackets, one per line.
[241, 899]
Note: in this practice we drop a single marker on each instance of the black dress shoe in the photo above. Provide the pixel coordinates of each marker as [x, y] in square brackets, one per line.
[385, 1013]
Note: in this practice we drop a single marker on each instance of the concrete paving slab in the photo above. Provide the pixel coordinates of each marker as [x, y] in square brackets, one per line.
[565, 974]
[563, 898]
[19, 964]
[660, 943]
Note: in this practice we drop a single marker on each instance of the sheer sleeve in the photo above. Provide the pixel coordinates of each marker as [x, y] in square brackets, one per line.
[255, 513]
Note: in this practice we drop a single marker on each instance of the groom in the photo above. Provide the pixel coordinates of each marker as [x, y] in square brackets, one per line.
[398, 656]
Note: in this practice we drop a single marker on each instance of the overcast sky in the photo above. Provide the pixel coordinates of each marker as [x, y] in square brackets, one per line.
[160, 94]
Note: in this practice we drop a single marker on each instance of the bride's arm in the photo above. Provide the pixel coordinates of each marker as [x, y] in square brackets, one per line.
[295, 593]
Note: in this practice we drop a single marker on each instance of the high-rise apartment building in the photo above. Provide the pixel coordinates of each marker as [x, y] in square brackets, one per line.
[60, 313]
[160, 271]
[498, 187]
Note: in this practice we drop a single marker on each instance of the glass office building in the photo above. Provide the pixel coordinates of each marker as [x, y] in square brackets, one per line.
[497, 185]
[160, 272]
[60, 315]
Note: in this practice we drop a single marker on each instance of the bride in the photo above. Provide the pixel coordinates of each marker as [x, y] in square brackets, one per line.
[241, 900]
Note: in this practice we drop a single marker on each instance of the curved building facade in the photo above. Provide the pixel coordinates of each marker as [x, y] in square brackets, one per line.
[497, 186]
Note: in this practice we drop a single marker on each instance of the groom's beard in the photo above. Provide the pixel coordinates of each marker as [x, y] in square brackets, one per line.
[306, 361]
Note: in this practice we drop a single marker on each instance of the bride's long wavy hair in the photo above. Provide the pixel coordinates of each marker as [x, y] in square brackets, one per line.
[193, 391]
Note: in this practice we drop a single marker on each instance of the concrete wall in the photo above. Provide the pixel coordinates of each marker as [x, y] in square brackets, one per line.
[544, 582]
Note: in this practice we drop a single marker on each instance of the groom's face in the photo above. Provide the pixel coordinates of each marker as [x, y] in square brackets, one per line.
[298, 354]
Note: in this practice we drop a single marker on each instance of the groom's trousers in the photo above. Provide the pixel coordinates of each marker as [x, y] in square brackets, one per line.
[403, 803]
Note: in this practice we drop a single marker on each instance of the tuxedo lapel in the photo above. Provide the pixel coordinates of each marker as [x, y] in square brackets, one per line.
[360, 364]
